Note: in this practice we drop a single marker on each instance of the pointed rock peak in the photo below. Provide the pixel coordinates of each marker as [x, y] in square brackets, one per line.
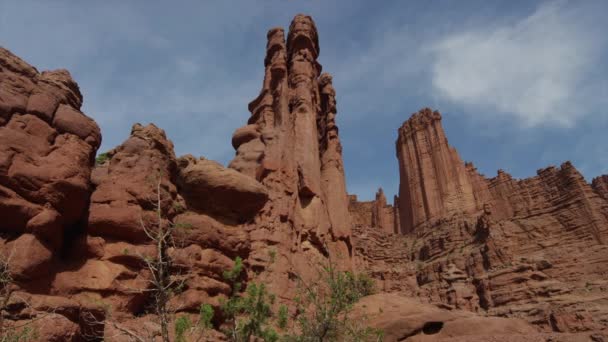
[380, 195]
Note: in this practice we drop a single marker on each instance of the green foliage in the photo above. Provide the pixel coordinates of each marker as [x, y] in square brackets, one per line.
[282, 317]
[102, 158]
[273, 255]
[205, 316]
[234, 273]
[182, 325]
[248, 314]
[178, 207]
[325, 306]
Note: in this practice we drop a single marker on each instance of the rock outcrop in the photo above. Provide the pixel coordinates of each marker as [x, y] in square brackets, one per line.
[291, 145]
[600, 185]
[480, 258]
[376, 213]
[47, 148]
[433, 179]
[533, 248]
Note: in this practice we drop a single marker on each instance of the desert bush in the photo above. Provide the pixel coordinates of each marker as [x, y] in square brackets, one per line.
[102, 158]
[324, 307]
[247, 314]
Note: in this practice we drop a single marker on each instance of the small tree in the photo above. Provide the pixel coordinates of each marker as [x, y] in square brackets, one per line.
[160, 267]
[164, 281]
[184, 327]
[248, 315]
[324, 307]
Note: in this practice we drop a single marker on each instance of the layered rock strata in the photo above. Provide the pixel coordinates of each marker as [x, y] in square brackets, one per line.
[533, 248]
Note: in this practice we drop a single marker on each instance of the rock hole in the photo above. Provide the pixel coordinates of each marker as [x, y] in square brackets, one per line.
[432, 328]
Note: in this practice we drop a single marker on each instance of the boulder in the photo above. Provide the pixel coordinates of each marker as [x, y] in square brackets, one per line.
[209, 187]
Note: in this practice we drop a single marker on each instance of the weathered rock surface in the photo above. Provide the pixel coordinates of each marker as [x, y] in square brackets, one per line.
[433, 180]
[600, 185]
[483, 259]
[291, 145]
[47, 148]
[376, 213]
[404, 319]
[532, 248]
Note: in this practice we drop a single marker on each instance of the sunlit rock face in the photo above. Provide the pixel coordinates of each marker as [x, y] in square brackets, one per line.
[453, 248]
[291, 145]
[532, 248]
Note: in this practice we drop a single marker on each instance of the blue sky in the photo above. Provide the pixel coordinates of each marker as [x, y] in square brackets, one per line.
[521, 84]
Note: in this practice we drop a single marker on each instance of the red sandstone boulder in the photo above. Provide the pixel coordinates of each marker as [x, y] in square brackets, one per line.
[28, 257]
[404, 319]
[209, 187]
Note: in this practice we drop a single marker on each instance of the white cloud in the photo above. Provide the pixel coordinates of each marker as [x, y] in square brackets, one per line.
[532, 69]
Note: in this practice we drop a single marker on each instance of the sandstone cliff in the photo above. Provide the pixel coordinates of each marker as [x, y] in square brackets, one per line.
[460, 245]
[533, 248]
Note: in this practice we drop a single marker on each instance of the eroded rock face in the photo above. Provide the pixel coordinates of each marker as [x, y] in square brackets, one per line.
[433, 179]
[533, 248]
[404, 319]
[600, 185]
[47, 147]
[291, 146]
[376, 213]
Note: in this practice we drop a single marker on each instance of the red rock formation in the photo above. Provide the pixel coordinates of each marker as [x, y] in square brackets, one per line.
[47, 147]
[533, 248]
[537, 249]
[291, 145]
[600, 185]
[360, 212]
[383, 216]
[433, 178]
[376, 213]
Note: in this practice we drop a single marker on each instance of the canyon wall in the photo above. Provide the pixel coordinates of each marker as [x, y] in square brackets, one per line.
[76, 231]
[533, 248]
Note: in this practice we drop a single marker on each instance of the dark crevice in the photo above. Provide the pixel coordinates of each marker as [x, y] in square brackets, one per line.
[432, 328]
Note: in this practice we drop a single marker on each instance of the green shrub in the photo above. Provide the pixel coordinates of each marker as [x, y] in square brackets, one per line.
[282, 317]
[102, 158]
[248, 315]
[182, 325]
[325, 305]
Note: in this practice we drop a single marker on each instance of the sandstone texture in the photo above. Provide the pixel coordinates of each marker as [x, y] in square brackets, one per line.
[47, 147]
[291, 146]
[376, 213]
[457, 256]
[533, 248]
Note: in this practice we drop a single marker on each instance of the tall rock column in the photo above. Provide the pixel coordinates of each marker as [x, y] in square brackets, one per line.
[303, 49]
[433, 179]
[291, 145]
[332, 166]
[382, 214]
